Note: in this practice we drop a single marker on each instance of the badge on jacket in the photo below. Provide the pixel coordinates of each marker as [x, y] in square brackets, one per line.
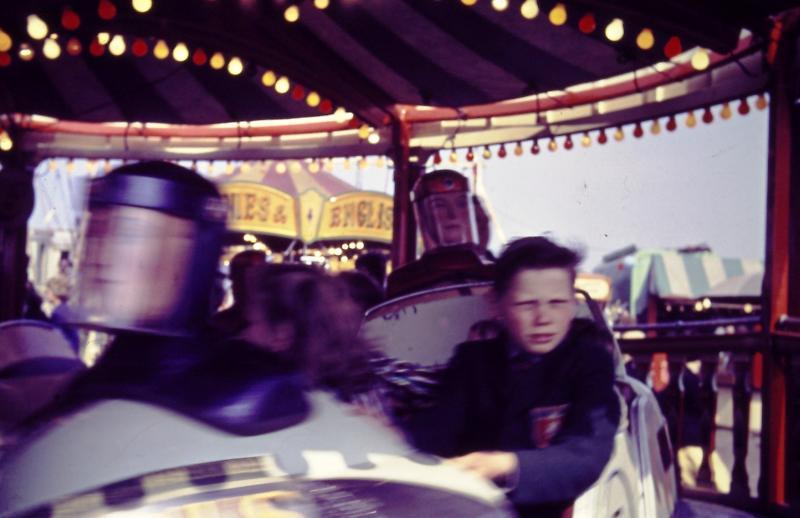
[545, 423]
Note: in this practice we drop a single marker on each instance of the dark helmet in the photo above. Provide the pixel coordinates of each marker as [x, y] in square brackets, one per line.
[149, 248]
[445, 210]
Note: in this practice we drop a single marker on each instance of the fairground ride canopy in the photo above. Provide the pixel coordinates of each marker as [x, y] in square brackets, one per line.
[294, 199]
[255, 79]
[673, 276]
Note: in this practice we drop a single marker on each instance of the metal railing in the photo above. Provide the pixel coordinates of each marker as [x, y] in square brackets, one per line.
[710, 390]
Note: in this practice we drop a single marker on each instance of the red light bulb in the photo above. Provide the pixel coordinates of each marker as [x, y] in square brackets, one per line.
[744, 108]
[673, 47]
[708, 117]
[139, 48]
[199, 57]
[587, 24]
[106, 9]
[70, 19]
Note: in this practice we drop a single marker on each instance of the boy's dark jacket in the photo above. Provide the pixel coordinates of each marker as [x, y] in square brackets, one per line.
[558, 412]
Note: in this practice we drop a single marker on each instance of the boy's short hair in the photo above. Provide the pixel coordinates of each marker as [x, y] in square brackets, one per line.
[532, 253]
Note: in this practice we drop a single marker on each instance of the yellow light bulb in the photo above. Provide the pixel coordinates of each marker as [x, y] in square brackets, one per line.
[51, 49]
[552, 145]
[487, 153]
[280, 168]
[500, 5]
[161, 50]
[453, 157]
[103, 38]
[529, 9]
[313, 167]
[615, 30]
[586, 141]
[312, 99]
[291, 14]
[235, 66]
[5, 141]
[469, 3]
[282, 85]
[5, 41]
[700, 59]
[322, 4]
[364, 131]
[217, 61]
[655, 129]
[180, 53]
[374, 137]
[117, 45]
[619, 135]
[691, 120]
[558, 14]
[725, 112]
[36, 27]
[142, 6]
[268, 78]
[645, 40]
[26, 53]
[362, 163]
[761, 102]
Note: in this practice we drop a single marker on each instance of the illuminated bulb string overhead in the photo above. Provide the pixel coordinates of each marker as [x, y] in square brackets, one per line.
[637, 130]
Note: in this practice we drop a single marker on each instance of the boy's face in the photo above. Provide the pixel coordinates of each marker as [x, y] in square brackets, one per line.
[538, 308]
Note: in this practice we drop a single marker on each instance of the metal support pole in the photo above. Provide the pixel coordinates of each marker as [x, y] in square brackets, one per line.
[406, 172]
[16, 205]
[781, 232]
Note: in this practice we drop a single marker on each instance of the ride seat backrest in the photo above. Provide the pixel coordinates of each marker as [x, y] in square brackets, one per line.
[425, 327]
[36, 362]
[22, 340]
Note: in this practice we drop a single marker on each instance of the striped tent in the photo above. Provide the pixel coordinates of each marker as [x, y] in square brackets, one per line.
[671, 275]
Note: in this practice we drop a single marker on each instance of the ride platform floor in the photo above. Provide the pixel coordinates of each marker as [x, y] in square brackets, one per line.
[687, 508]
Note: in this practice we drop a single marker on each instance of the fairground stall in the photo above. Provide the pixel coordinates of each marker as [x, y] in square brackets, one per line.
[423, 83]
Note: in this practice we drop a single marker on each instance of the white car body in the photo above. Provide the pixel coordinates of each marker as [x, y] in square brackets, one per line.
[639, 479]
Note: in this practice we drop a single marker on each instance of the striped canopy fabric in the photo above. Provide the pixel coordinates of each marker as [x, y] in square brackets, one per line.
[365, 55]
[672, 275]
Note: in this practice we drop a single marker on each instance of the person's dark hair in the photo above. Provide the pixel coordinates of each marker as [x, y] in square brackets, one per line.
[532, 253]
[363, 289]
[239, 265]
[374, 265]
[322, 321]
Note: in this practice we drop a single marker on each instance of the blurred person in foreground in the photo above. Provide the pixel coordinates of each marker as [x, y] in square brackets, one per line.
[534, 408]
[57, 293]
[230, 321]
[362, 289]
[373, 264]
[455, 233]
[164, 396]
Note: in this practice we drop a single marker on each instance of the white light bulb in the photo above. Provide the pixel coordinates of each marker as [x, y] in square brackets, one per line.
[37, 29]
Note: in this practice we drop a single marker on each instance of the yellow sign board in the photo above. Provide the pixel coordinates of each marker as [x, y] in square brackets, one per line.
[357, 215]
[260, 209]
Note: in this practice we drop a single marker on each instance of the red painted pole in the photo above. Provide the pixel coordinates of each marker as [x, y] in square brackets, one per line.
[780, 228]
